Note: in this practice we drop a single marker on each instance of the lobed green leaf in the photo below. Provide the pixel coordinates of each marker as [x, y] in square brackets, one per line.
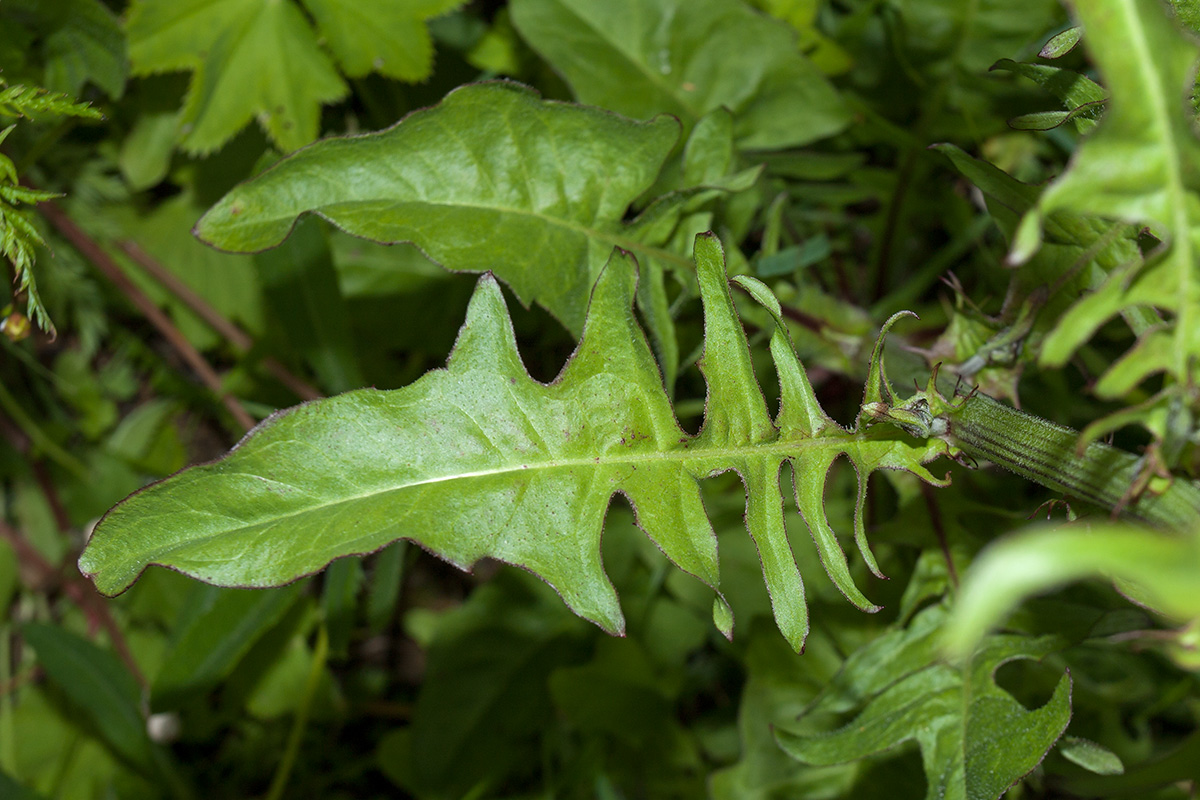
[480, 460]
[493, 178]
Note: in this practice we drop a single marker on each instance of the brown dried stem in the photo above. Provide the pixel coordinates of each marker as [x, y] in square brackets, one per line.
[93, 252]
[232, 333]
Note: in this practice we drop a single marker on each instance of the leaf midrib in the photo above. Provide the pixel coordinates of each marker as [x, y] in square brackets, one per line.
[596, 234]
[778, 449]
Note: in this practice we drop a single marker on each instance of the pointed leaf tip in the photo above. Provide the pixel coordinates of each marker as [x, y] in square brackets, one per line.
[879, 388]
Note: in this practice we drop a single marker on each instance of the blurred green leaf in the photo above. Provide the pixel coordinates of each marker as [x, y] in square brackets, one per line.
[11, 790]
[99, 686]
[1164, 568]
[976, 740]
[300, 289]
[218, 627]
[485, 697]
[1090, 756]
[687, 58]
[226, 282]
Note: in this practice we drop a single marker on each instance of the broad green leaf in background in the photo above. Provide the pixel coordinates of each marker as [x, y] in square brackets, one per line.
[226, 282]
[481, 460]
[493, 178]
[486, 696]
[81, 42]
[779, 687]
[976, 739]
[1161, 571]
[300, 289]
[12, 790]
[687, 58]
[1141, 166]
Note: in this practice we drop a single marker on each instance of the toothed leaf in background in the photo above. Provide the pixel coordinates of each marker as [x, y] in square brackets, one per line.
[81, 41]
[264, 61]
[479, 460]
[385, 36]
[250, 60]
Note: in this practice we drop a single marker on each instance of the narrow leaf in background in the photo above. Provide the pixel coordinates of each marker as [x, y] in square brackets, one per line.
[100, 687]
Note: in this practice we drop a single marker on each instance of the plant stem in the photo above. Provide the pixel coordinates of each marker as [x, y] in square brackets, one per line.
[1045, 452]
[284, 771]
[232, 333]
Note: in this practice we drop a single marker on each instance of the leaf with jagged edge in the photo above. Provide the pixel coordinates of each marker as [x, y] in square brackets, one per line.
[265, 60]
[249, 60]
[480, 460]
[1140, 166]
[976, 739]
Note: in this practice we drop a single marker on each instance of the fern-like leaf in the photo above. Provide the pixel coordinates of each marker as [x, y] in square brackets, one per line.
[18, 236]
[480, 460]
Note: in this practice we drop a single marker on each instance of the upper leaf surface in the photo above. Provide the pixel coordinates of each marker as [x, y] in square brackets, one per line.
[493, 178]
[481, 460]
[686, 57]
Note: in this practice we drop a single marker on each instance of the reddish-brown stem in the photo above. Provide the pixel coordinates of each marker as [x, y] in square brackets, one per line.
[80, 591]
[232, 333]
[93, 252]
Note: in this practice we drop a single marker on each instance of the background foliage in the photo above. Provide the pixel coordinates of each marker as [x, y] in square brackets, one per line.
[1026, 185]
